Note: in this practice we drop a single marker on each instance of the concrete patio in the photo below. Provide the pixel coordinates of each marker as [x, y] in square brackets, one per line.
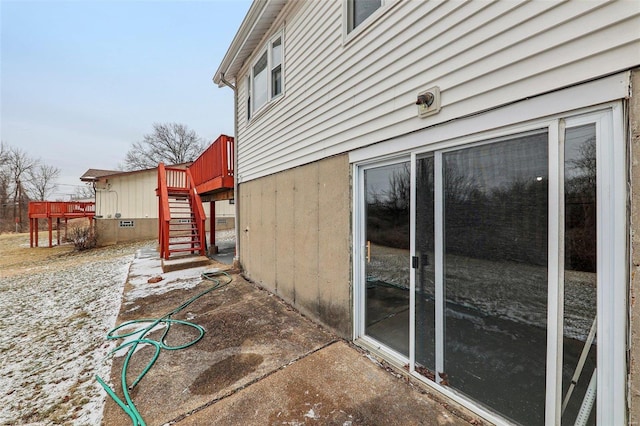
[259, 362]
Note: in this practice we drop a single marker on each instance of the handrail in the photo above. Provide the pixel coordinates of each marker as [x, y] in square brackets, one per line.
[198, 210]
[165, 214]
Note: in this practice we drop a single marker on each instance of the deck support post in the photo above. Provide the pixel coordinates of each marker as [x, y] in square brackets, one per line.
[31, 220]
[50, 221]
[213, 248]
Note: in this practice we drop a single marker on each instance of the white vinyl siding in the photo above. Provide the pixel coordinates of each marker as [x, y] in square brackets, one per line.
[481, 55]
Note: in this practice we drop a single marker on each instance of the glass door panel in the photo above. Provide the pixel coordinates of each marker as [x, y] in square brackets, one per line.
[579, 343]
[387, 203]
[425, 269]
[495, 274]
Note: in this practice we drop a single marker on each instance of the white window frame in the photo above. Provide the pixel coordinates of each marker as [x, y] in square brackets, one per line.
[349, 33]
[267, 50]
[612, 255]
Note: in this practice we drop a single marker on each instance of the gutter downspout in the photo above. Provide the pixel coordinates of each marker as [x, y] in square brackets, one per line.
[236, 259]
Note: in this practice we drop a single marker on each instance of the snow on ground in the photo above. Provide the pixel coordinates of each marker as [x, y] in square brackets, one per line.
[148, 265]
[52, 344]
[56, 315]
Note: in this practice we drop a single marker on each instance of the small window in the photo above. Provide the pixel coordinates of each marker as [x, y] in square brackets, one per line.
[276, 67]
[126, 224]
[248, 98]
[259, 91]
[359, 10]
[265, 81]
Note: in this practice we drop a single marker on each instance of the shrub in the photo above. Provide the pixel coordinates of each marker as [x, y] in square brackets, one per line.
[83, 237]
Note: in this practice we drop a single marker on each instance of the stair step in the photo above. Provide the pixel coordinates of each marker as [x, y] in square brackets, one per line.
[184, 250]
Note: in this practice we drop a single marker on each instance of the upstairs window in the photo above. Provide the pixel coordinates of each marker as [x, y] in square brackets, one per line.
[265, 80]
[359, 10]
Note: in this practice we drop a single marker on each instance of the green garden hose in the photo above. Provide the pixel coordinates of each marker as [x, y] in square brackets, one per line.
[127, 405]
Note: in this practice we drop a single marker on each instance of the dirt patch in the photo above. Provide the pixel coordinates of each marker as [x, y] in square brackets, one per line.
[225, 373]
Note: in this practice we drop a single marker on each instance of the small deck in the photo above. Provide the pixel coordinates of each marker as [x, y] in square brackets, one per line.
[181, 192]
[57, 210]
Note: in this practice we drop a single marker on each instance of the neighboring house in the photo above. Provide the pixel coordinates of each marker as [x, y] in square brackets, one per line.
[452, 185]
[127, 205]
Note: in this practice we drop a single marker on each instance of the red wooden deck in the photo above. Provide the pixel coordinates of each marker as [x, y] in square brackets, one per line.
[210, 176]
[58, 210]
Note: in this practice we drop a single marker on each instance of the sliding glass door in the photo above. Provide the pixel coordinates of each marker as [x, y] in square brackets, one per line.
[387, 251]
[484, 266]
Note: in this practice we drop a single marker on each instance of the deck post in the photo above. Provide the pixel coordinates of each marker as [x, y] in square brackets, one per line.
[213, 248]
[58, 229]
[50, 220]
[31, 232]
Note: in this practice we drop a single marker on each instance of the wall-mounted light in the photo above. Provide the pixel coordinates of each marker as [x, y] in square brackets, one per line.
[428, 102]
[425, 99]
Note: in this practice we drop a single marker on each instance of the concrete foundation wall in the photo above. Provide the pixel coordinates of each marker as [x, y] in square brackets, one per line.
[222, 223]
[295, 229]
[634, 359]
[109, 231]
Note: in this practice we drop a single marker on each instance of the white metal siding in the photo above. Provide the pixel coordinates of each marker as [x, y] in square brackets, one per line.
[131, 195]
[341, 96]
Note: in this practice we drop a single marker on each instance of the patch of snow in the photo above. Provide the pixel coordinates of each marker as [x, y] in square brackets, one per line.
[146, 267]
[53, 339]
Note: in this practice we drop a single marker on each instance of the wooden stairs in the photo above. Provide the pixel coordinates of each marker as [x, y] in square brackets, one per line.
[181, 192]
[182, 218]
[184, 235]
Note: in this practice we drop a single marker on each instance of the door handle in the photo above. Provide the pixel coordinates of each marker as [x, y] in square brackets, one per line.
[368, 251]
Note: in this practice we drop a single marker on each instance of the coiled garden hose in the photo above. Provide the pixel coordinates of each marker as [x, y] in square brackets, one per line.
[127, 405]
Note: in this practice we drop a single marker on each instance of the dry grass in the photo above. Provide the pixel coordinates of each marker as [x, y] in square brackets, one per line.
[17, 257]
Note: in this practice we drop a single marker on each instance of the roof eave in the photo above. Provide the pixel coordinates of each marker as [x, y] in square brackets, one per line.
[260, 14]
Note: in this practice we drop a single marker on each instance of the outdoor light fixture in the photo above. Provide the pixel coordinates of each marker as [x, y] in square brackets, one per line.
[426, 99]
[428, 102]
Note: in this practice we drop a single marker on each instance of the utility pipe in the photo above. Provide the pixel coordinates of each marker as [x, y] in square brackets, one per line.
[236, 198]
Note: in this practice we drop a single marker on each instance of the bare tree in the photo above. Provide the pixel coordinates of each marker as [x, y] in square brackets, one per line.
[42, 181]
[17, 166]
[171, 143]
[4, 153]
[4, 183]
[85, 192]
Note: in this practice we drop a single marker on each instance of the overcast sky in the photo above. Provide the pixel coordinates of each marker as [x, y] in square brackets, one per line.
[80, 81]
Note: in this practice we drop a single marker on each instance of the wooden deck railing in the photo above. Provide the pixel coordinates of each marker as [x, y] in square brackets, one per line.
[213, 169]
[61, 209]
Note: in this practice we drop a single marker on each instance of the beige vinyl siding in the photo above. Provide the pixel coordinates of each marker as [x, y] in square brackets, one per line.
[345, 95]
[132, 195]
